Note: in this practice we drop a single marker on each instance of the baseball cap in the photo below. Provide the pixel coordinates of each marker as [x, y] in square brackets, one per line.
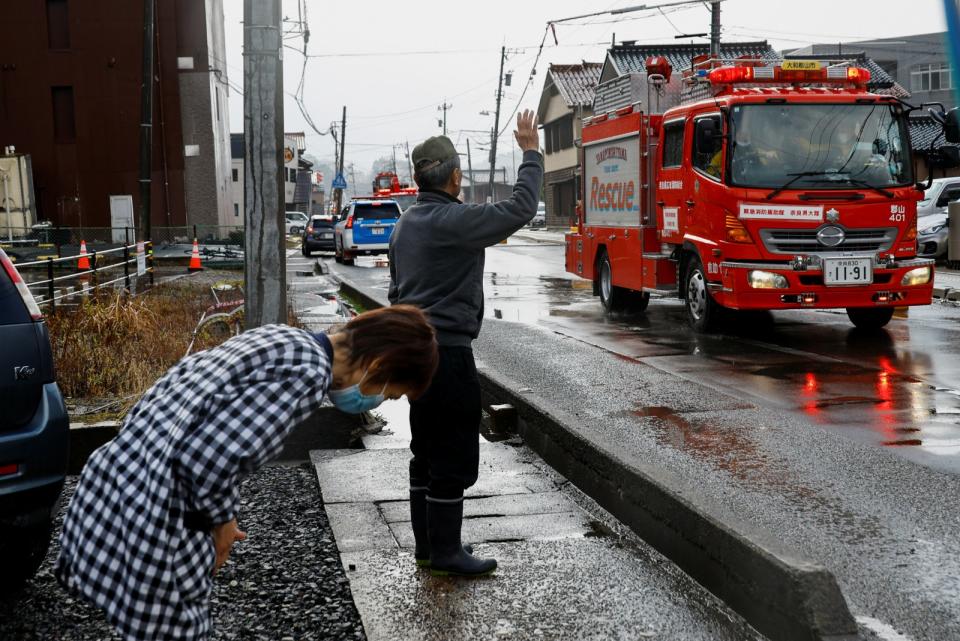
[432, 152]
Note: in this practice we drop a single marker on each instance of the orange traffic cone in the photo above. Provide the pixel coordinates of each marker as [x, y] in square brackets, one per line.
[83, 263]
[195, 265]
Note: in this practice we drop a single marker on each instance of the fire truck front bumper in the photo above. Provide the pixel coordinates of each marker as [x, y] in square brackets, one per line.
[746, 285]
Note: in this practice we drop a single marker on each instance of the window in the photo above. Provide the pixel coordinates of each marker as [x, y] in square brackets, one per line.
[673, 144]
[64, 124]
[558, 135]
[293, 175]
[236, 206]
[890, 66]
[236, 175]
[930, 77]
[707, 145]
[58, 24]
[950, 194]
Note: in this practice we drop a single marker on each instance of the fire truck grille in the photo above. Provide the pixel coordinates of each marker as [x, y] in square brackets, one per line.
[804, 241]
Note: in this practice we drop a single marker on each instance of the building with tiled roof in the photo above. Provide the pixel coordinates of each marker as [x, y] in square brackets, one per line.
[566, 99]
[629, 57]
[881, 82]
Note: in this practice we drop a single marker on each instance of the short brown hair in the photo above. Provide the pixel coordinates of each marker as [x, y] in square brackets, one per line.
[403, 341]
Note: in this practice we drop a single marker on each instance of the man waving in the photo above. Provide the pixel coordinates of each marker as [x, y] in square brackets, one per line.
[436, 263]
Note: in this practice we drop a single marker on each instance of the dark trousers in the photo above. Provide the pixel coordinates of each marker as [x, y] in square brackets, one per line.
[445, 425]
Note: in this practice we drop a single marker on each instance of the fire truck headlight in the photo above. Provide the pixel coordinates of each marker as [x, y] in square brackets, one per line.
[766, 280]
[918, 276]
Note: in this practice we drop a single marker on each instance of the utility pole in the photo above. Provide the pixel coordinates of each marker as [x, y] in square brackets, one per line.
[265, 273]
[470, 169]
[143, 231]
[496, 122]
[444, 108]
[338, 194]
[409, 165]
[714, 28]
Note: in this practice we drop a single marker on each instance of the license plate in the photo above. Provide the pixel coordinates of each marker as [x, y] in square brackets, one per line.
[377, 231]
[847, 271]
[327, 235]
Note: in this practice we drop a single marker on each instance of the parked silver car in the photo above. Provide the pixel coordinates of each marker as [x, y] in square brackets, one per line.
[932, 235]
[942, 192]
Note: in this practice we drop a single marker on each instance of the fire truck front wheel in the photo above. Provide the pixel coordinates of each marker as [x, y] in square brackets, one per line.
[702, 311]
[868, 318]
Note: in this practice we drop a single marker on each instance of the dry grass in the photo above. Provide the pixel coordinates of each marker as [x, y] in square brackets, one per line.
[117, 346]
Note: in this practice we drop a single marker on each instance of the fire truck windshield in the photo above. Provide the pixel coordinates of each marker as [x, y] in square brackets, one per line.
[404, 200]
[818, 146]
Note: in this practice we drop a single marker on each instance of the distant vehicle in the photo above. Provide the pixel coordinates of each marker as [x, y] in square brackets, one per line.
[932, 235]
[540, 218]
[942, 192]
[33, 432]
[318, 235]
[387, 185]
[296, 221]
[365, 228]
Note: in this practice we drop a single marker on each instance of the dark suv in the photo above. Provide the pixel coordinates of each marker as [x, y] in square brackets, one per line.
[33, 432]
[318, 235]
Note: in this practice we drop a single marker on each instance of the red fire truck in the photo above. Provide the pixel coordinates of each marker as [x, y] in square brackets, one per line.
[387, 185]
[761, 186]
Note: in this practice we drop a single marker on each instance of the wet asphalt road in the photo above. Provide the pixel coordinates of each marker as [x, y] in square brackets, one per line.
[897, 389]
[843, 446]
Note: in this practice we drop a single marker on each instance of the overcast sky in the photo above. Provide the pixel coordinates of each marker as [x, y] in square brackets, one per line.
[392, 64]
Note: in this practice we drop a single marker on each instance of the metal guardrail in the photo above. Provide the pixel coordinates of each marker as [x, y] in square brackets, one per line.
[93, 273]
[115, 237]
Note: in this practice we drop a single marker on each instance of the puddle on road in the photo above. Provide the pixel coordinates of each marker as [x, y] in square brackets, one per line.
[731, 450]
[527, 299]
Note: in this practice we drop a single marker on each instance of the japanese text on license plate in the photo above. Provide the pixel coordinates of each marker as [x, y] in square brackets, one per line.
[847, 271]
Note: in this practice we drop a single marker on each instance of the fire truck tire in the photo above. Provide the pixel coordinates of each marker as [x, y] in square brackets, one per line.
[702, 311]
[639, 301]
[870, 317]
[613, 298]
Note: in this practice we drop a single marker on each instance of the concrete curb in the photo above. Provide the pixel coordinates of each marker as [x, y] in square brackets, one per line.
[951, 294]
[783, 595]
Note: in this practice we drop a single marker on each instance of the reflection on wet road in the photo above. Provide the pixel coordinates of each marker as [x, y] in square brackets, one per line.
[896, 388]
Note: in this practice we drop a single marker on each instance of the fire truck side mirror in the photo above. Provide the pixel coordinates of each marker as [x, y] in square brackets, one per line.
[951, 126]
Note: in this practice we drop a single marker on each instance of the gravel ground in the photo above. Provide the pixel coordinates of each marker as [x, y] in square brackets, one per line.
[284, 582]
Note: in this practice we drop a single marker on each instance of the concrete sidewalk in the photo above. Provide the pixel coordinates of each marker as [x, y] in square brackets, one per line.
[567, 570]
[946, 284]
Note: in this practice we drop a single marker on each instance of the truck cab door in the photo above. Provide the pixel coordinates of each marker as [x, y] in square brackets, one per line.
[705, 192]
[670, 188]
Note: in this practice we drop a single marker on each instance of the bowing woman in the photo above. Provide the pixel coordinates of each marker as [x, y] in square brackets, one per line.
[155, 512]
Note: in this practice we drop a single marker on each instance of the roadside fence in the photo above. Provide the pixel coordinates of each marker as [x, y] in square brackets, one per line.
[64, 240]
[116, 267]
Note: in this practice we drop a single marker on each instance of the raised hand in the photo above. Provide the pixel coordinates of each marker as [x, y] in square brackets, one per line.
[528, 138]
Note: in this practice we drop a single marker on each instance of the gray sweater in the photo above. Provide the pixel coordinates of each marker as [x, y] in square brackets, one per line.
[437, 252]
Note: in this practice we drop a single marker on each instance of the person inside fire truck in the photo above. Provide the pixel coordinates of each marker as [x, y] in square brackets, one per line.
[754, 158]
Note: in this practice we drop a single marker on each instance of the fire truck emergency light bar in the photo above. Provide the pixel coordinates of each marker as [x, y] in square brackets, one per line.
[794, 71]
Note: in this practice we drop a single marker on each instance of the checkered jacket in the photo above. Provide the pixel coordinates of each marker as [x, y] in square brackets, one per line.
[214, 417]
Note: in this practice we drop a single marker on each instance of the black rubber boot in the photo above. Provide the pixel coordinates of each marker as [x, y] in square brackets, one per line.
[447, 555]
[418, 519]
